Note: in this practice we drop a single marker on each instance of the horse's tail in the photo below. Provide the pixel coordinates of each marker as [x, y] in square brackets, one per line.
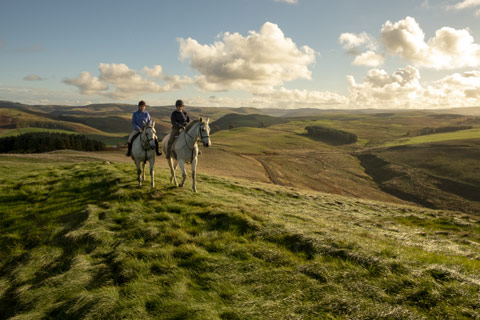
[165, 144]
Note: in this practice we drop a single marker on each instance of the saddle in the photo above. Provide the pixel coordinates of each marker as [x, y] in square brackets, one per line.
[136, 136]
[171, 151]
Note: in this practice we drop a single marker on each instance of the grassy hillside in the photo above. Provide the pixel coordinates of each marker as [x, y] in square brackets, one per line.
[440, 175]
[80, 240]
[277, 149]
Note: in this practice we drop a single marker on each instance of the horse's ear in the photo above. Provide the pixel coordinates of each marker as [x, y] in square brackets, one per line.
[208, 119]
[201, 119]
[144, 123]
[153, 123]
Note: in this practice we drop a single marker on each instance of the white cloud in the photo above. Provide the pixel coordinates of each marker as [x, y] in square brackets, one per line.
[380, 89]
[155, 72]
[448, 49]
[88, 84]
[29, 95]
[465, 4]
[32, 77]
[261, 59]
[125, 81]
[289, 99]
[356, 43]
[403, 89]
[352, 41]
[369, 58]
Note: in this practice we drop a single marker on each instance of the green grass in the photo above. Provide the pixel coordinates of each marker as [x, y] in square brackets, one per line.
[263, 140]
[16, 132]
[438, 137]
[82, 241]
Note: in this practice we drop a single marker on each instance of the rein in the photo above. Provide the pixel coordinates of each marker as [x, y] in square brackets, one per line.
[195, 139]
[145, 140]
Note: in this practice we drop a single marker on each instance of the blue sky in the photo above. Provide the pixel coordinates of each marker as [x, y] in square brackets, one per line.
[259, 53]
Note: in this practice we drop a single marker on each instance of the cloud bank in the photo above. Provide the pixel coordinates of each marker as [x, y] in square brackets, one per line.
[262, 59]
[118, 81]
[403, 89]
[449, 49]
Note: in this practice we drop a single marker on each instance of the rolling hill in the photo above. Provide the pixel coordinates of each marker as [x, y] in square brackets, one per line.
[278, 149]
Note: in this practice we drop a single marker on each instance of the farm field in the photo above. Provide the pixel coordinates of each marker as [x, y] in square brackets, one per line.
[80, 240]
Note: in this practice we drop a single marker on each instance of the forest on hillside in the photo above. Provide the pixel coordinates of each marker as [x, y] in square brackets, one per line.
[46, 141]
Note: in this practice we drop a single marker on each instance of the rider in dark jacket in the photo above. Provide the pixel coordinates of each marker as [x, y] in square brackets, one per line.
[179, 119]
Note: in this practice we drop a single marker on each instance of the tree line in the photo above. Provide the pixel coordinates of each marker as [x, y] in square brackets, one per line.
[428, 130]
[331, 136]
[47, 141]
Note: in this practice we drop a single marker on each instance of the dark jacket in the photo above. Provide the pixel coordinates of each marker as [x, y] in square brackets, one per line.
[179, 119]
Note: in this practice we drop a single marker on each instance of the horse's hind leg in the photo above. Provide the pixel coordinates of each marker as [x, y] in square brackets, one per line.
[172, 171]
[184, 173]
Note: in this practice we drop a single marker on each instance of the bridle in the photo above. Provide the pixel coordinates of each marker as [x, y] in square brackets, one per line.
[145, 139]
[196, 139]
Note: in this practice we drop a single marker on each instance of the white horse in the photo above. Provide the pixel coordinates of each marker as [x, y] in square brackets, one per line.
[143, 150]
[186, 149]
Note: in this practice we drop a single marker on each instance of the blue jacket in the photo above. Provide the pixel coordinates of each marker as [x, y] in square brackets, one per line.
[138, 117]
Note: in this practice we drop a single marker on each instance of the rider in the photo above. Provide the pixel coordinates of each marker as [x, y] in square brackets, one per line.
[179, 120]
[138, 118]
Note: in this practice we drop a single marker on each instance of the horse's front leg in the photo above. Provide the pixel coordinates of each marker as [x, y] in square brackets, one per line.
[139, 172]
[194, 174]
[143, 170]
[152, 172]
[181, 162]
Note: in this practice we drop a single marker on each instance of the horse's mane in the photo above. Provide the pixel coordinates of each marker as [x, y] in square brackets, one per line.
[191, 124]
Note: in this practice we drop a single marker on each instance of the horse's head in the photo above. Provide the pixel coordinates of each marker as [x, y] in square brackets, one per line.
[150, 133]
[205, 132]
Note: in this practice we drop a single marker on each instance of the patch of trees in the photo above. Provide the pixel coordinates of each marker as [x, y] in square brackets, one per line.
[44, 124]
[428, 130]
[45, 141]
[331, 136]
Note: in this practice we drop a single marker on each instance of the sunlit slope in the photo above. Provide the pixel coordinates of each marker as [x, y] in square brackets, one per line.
[438, 137]
[292, 159]
[14, 122]
[82, 241]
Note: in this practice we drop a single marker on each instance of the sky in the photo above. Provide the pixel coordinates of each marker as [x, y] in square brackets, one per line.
[344, 54]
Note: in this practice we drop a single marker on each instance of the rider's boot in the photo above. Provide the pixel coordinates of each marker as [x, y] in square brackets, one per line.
[129, 152]
[156, 148]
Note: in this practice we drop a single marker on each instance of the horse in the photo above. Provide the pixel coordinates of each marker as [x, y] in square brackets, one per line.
[186, 149]
[143, 150]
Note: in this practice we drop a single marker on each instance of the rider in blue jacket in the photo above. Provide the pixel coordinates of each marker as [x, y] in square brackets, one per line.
[138, 118]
